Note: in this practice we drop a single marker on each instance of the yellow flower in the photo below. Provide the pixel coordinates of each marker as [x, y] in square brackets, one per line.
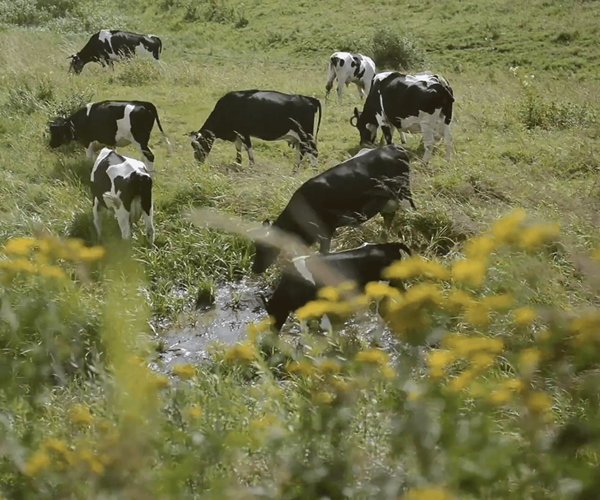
[505, 230]
[39, 461]
[91, 254]
[51, 272]
[414, 267]
[462, 381]
[539, 402]
[328, 293]
[459, 299]
[499, 397]
[529, 360]
[18, 266]
[479, 248]
[184, 370]
[467, 347]
[56, 445]
[470, 272]
[323, 398]
[538, 234]
[80, 415]
[194, 412]
[18, 246]
[437, 361]
[596, 254]
[264, 325]
[498, 302]
[376, 290]
[420, 296]
[477, 314]
[513, 385]
[482, 361]
[524, 316]
[303, 367]
[428, 494]
[329, 365]
[585, 328]
[374, 356]
[160, 381]
[243, 351]
[315, 309]
[91, 461]
[262, 423]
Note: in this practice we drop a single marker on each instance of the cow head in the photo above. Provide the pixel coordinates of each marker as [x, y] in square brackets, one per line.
[61, 132]
[76, 64]
[265, 254]
[202, 142]
[367, 131]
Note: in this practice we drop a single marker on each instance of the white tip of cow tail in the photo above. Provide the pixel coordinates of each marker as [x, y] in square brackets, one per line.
[169, 146]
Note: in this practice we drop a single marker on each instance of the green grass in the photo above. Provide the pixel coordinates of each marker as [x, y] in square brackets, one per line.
[520, 141]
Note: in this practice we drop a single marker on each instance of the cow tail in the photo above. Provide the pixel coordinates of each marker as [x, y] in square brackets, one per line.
[155, 111]
[406, 250]
[159, 45]
[319, 122]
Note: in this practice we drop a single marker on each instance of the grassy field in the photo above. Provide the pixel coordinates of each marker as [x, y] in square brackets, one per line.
[513, 416]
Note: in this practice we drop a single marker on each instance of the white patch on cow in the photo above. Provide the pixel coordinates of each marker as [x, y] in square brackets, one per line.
[124, 137]
[300, 265]
[345, 74]
[104, 35]
[89, 108]
[141, 51]
[381, 76]
[291, 137]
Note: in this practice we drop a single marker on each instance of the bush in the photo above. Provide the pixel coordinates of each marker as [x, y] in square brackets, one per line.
[29, 97]
[394, 51]
[537, 112]
[135, 72]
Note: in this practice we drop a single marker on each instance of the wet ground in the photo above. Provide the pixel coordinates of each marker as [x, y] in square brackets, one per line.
[236, 304]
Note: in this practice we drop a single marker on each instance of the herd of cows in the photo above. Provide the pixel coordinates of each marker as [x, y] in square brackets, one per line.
[376, 180]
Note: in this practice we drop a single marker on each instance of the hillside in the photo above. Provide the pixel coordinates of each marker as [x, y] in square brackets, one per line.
[526, 129]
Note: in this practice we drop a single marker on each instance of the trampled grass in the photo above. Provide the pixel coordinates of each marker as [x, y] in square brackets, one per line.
[335, 419]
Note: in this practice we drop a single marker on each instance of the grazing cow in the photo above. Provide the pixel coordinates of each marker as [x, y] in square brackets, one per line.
[350, 68]
[123, 185]
[300, 281]
[411, 103]
[267, 115]
[346, 195]
[107, 46]
[109, 123]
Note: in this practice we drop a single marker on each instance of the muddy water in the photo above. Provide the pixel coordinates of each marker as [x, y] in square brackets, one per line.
[236, 304]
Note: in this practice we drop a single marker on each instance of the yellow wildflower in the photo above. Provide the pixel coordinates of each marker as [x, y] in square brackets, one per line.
[39, 461]
[264, 325]
[428, 494]
[18, 266]
[505, 230]
[328, 293]
[437, 361]
[376, 290]
[499, 397]
[513, 385]
[482, 361]
[539, 402]
[18, 246]
[184, 370]
[470, 272]
[262, 423]
[91, 461]
[529, 360]
[585, 328]
[414, 267]
[420, 296]
[323, 398]
[524, 316]
[342, 385]
[458, 299]
[56, 445]
[329, 365]
[467, 347]
[160, 381]
[479, 248]
[303, 367]
[315, 309]
[91, 254]
[244, 351]
[374, 356]
[596, 254]
[194, 412]
[477, 314]
[538, 234]
[498, 302]
[462, 381]
[80, 415]
[51, 272]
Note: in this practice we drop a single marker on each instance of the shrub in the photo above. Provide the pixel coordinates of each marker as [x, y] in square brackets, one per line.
[537, 112]
[29, 97]
[135, 72]
[395, 51]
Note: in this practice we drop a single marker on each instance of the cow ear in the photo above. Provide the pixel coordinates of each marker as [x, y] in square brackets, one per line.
[266, 223]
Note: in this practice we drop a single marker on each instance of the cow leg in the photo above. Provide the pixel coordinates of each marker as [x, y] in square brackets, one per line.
[238, 147]
[428, 140]
[97, 211]
[148, 158]
[339, 91]
[149, 226]
[325, 245]
[299, 156]
[387, 132]
[248, 145]
[388, 212]
[89, 151]
[123, 218]
[361, 92]
[448, 140]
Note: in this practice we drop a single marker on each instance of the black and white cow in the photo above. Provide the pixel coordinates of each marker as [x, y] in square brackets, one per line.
[266, 115]
[350, 68]
[123, 185]
[413, 103]
[300, 280]
[109, 123]
[107, 46]
[348, 194]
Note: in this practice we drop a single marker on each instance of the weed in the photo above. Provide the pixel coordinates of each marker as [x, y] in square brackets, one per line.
[395, 51]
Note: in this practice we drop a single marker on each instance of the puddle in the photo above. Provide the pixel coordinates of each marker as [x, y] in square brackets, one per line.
[236, 304]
